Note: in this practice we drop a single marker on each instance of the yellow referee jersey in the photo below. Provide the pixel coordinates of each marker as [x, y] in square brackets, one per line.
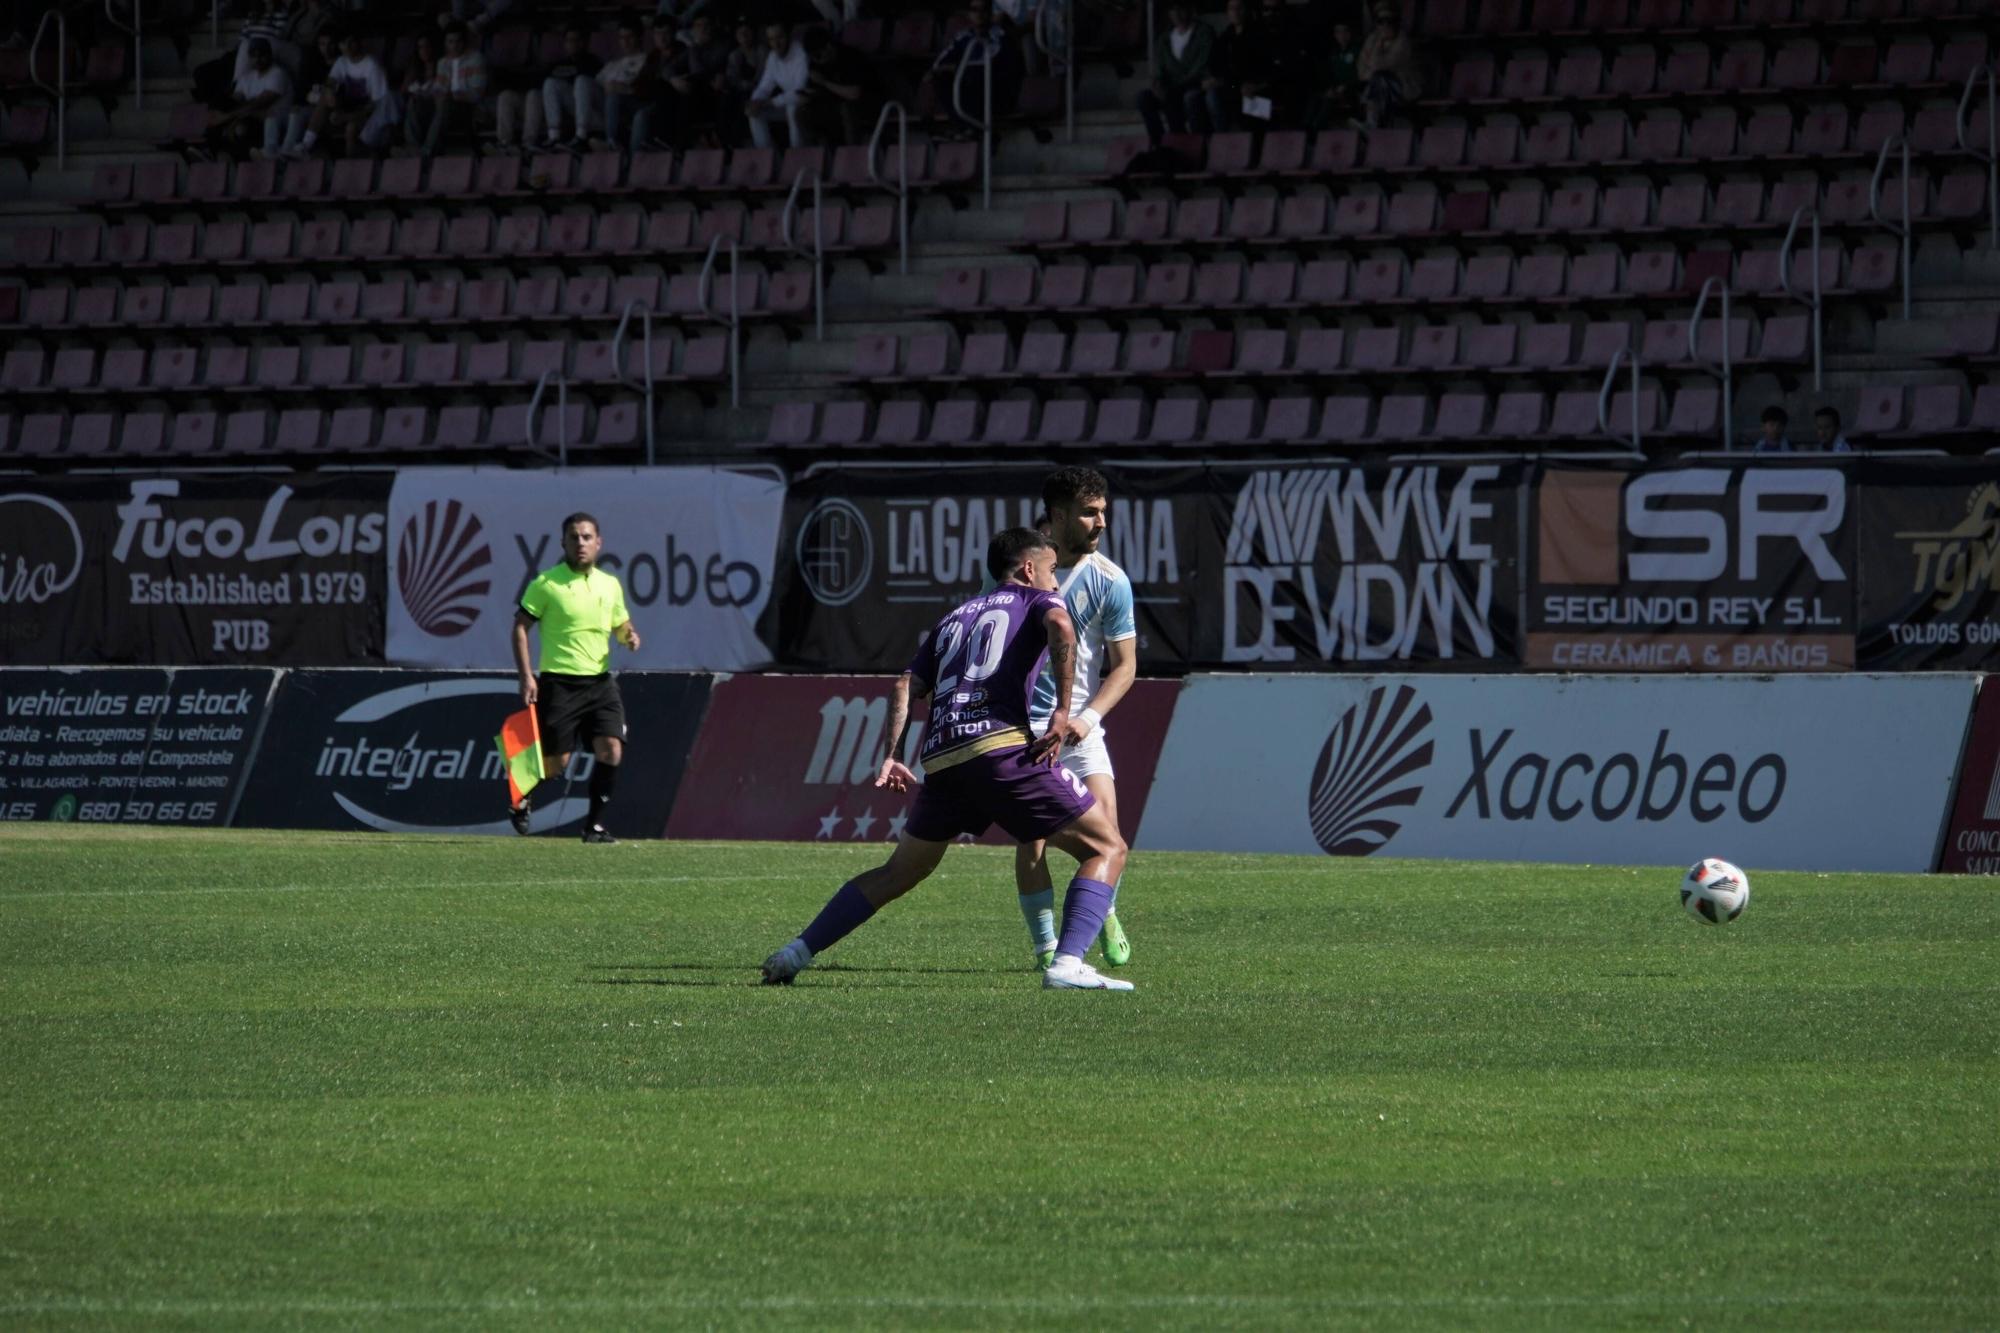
[576, 612]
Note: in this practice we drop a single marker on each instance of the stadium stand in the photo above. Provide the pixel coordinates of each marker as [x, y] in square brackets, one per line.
[1577, 185]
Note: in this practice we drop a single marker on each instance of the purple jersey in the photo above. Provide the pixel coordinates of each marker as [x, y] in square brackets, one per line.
[980, 663]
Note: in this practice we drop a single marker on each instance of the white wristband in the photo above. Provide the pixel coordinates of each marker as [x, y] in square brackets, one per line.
[1091, 716]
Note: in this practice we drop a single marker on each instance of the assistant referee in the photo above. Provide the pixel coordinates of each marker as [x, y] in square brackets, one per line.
[578, 608]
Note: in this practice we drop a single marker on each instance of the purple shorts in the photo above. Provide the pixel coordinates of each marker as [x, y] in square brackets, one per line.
[1028, 800]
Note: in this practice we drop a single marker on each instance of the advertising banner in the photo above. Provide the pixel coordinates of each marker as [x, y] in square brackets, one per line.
[241, 569]
[1930, 563]
[127, 745]
[413, 752]
[692, 546]
[1312, 567]
[1700, 568]
[1972, 840]
[874, 556]
[794, 758]
[1806, 772]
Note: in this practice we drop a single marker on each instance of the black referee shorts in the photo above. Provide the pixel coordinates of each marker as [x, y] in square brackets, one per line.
[577, 709]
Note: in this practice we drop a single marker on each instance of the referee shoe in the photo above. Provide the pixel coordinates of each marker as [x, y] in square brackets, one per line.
[518, 816]
[598, 833]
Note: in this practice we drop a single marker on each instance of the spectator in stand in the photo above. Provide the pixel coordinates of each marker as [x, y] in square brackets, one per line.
[1180, 66]
[263, 107]
[1229, 68]
[781, 89]
[1340, 100]
[478, 17]
[677, 16]
[1773, 440]
[450, 106]
[1390, 74]
[421, 76]
[1281, 73]
[626, 80]
[314, 66]
[1000, 56]
[571, 82]
[740, 76]
[689, 91]
[1826, 426]
[357, 101]
[843, 94]
[215, 80]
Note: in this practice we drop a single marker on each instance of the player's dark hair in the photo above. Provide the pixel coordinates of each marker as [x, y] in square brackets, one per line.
[1067, 485]
[581, 517]
[1004, 552]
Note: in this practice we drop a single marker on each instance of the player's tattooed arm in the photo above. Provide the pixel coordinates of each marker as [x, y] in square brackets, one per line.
[894, 773]
[1062, 670]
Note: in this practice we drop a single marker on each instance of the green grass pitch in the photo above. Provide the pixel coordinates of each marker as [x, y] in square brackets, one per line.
[299, 1080]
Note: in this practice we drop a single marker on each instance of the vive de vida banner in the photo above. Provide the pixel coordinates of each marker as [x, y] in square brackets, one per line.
[192, 569]
[693, 547]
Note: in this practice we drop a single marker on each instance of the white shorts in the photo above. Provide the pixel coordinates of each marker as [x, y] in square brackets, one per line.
[1087, 759]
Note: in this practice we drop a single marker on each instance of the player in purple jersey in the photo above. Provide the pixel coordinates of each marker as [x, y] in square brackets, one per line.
[983, 765]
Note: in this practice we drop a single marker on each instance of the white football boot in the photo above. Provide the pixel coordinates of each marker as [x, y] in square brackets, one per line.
[1068, 973]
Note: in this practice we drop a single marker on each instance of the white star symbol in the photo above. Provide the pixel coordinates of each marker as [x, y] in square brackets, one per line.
[829, 822]
[863, 822]
[896, 823]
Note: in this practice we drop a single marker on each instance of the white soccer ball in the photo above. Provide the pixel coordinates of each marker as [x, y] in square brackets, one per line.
[1715, 892]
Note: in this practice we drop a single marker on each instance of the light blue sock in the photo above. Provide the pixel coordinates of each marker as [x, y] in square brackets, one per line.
[1114, 892]
[1039, 911]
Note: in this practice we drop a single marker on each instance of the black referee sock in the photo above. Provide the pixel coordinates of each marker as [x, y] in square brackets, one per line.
[603, 780]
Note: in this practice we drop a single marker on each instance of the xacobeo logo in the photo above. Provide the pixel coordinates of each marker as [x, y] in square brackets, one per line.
[1369, 769]
[441, 568]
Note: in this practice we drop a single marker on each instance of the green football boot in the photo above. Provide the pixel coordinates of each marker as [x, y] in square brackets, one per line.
[1117, 949]
[1046, 959]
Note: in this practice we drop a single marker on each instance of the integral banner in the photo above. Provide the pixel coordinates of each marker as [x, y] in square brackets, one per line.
[413, 752]
[1800, 772]
[794, 758]
[1295, 567]
[1930, 564]
[1724, 568]
[127, 745]
[186, 570]
[693, 547]
[873, 556]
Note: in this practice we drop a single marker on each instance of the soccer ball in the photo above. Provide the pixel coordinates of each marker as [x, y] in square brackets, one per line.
[1715, 892]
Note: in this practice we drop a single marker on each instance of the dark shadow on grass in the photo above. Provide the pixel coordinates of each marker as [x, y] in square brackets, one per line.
[748, 978]
[826, 967]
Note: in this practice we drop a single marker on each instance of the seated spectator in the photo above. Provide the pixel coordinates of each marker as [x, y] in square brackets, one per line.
[1388, 68]
[215, 80]
[997, 52]
[685, 94]
[781, 89]
[421, 76]
[1279, 72]
[314, 65]
[262, 110]
[478, 17]
[675, 17]
[626, 81]
[1229, 68]
[740, 75]
[570, 83]
[1773, 440]
[1826, 426]
[1180, 64]
[450, 105]
[1340, 100]
[357, 101]
[843, 93]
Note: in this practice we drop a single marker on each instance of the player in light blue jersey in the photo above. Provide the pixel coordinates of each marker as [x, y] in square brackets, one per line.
[1099, 599]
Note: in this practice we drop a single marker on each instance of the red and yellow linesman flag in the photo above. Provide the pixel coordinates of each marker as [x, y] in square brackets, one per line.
[520, 742]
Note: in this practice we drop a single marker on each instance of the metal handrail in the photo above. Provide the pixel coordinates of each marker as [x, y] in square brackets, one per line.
[1900, 229]
[1991, 157]
[901, 187]
[1604, 399]
[1723, 371]
[61, 91]
[138, 50]
[706, 290]
[645, 313]
[534, 429]
[787, 224]
[1068, 55]
[985, 123]
[1815, 302]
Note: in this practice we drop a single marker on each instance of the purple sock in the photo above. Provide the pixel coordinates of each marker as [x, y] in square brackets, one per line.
[1085, 904]
[843, 914]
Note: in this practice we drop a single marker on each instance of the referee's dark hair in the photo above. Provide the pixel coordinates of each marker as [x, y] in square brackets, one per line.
[580, 517]
[1066, 485]
[1004, 552]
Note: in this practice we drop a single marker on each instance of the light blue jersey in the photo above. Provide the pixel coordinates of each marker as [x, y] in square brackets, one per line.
[1099, 598]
